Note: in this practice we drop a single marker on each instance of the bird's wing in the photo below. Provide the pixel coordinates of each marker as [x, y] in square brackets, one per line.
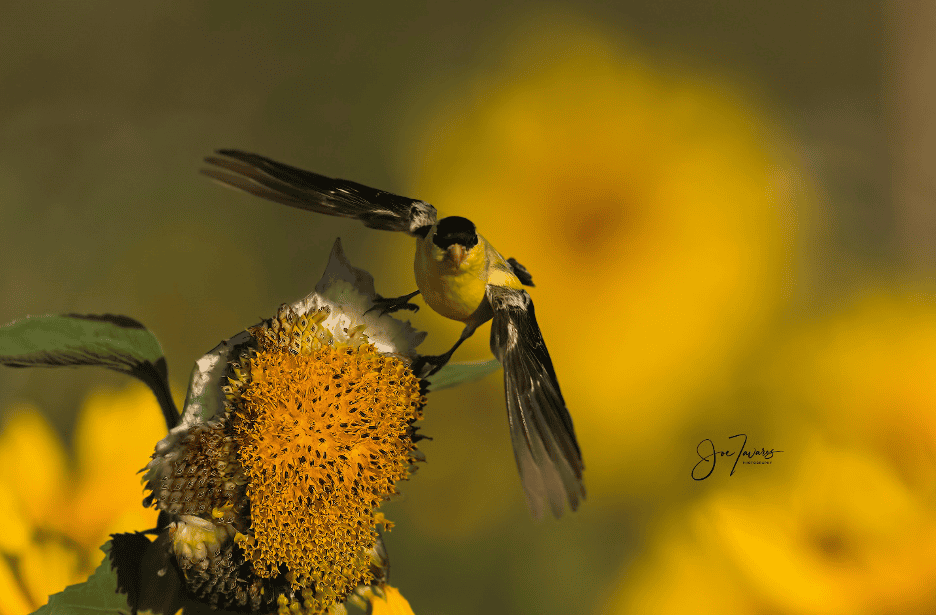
[289, 185]
[522, 273]
[544, 444]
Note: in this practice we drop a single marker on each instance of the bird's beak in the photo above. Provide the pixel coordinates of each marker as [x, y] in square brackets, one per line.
[456, 253]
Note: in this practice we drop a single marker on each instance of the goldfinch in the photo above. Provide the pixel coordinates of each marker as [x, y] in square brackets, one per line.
[462, 277]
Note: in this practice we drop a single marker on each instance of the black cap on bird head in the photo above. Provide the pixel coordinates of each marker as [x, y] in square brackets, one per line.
[455, 230]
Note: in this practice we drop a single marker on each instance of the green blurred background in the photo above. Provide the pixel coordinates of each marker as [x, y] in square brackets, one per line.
[727, 207]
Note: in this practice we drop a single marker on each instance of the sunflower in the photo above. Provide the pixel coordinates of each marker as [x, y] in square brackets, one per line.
[294, 432]
[847, 523]
[843, 534]
[864, 376]
[269, 495]
[58, 508]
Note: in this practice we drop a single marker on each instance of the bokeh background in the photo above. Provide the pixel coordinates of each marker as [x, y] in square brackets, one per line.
[729, 209]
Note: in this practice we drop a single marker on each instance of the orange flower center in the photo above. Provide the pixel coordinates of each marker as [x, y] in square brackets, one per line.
[323, 435]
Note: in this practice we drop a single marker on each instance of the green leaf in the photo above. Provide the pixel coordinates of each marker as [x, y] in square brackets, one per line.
[455, 374]
[110, 341]
[97, 595]
[115, 342]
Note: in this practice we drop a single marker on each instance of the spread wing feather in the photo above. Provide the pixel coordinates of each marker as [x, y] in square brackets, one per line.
[290, 185]
[541, 431]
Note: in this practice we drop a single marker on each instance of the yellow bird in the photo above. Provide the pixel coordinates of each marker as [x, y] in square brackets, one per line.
[462, 277]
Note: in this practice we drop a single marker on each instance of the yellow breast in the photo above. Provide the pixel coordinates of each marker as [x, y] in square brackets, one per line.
[453, 293]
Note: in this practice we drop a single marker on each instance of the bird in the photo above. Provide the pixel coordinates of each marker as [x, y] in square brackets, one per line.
[462, 277]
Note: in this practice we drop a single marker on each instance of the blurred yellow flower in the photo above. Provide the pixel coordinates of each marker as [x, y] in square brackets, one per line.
[844, 535]
[654, 209]
[392, 603]
[57, 510]
[867, 376]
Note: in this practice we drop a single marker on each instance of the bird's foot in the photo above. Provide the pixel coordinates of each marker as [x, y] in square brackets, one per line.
[427, 365]
[388, 305]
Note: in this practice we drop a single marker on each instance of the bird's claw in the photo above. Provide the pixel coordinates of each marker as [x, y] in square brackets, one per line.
[388, 305]
[434, 362]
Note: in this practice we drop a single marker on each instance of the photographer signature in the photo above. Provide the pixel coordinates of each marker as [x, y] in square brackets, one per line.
[708, 456]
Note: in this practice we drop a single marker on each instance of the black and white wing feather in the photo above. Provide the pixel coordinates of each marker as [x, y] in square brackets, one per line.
[544, 444]
[290, 185]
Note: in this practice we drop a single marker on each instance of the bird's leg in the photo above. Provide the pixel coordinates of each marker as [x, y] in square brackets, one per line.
[435, 362]
[387, 305]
